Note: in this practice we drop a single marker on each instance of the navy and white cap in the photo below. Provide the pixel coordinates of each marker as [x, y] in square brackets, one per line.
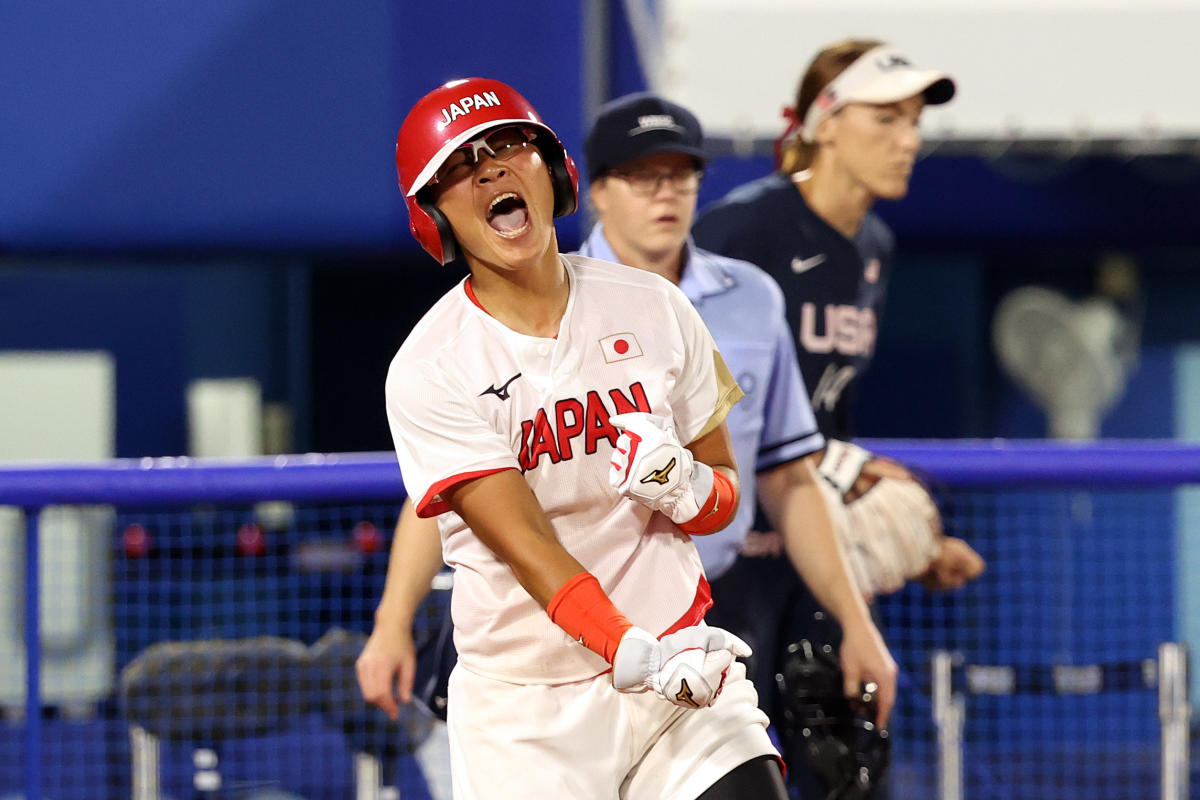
[881, 75]
[637, 125]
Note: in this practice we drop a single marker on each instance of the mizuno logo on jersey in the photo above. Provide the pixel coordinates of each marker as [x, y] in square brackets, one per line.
[848, 330]
[501, 392]
[660, 476]
[556, 434]
[466, 105]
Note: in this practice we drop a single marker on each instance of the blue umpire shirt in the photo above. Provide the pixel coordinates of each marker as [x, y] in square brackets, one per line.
[744, 310]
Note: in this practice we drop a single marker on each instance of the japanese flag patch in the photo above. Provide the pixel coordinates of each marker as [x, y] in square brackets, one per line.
[620, 347]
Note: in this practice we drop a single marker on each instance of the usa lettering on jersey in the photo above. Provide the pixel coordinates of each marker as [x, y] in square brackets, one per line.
[572, 418]
[848, 330]
[466, 105]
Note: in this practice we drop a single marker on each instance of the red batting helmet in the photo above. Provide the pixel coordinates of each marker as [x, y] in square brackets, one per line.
[449, 117]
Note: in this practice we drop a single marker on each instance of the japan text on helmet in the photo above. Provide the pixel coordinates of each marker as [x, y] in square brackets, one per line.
[449, 117]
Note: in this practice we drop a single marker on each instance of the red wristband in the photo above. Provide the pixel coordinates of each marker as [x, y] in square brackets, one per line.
[582, 609]
[717, 509]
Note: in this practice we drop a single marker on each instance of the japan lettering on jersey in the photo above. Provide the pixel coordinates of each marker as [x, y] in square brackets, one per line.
[467, 396]
[556, 435]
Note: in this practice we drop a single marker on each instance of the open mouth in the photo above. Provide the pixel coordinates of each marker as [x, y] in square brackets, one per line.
[507, 215]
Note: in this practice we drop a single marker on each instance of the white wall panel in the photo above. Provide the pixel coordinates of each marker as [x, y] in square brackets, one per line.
[1097, 69]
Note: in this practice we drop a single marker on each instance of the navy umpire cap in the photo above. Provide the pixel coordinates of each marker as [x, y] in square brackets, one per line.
[639, 125]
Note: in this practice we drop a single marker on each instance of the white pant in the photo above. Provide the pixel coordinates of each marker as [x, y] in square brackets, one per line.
[587, 740]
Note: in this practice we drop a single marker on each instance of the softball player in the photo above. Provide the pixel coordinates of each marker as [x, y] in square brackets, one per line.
[540, 411]
[644, 159]
[852, 138]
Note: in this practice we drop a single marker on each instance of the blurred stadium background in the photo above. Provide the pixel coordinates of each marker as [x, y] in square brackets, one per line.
[203, 252]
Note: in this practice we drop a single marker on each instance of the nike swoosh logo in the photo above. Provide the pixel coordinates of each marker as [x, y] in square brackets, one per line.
[501, 392]
[805, 264]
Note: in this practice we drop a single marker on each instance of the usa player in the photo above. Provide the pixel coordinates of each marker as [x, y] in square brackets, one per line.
[540, 411]
[852, 138]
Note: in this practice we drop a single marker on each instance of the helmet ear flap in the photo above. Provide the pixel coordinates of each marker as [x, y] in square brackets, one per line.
[566, 186]
[564, 174]
[444, 231]
[431, 229]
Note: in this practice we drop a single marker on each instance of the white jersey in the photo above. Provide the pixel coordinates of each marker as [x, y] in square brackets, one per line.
[467, 396]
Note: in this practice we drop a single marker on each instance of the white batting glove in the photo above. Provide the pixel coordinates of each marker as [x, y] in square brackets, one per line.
[649, 465]
[686, 668]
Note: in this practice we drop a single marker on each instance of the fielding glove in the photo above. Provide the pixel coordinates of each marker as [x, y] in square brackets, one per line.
[885, 519]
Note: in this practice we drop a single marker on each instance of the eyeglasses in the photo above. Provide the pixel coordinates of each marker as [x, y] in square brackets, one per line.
[646, 182]
[501, 144]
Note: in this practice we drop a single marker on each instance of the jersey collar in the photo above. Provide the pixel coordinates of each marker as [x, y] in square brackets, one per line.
[469, 291]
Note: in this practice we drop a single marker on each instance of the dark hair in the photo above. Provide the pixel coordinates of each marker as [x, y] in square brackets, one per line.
[796, 154]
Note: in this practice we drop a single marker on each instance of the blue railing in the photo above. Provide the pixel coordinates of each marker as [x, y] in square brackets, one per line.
[166, 482]
[376, 477]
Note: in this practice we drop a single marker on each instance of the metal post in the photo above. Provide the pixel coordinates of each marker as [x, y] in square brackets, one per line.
[33, 661]
[368, 776]
[949, 713]
[1174, 713]
[144, 748]
[597, 58]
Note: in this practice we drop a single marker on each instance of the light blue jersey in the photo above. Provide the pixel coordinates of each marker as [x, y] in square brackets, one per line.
[744, 310]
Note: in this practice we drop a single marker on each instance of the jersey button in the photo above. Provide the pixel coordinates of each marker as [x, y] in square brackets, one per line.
[543, 349]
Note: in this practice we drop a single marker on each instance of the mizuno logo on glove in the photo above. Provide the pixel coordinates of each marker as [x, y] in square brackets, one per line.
[685, 696]
[660, 476]
[687, 668]
[651, 466]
